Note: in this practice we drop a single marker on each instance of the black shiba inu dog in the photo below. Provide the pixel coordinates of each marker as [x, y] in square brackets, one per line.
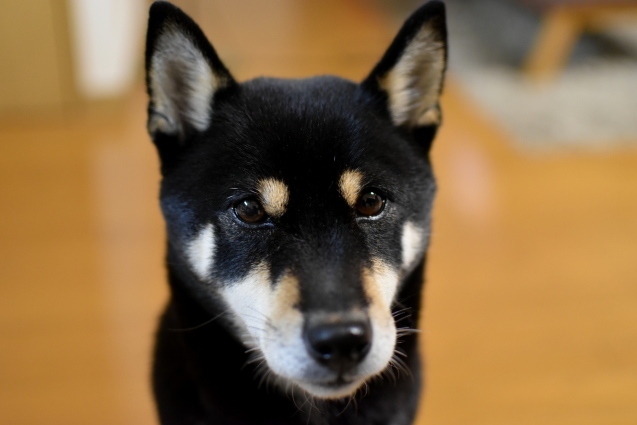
[298, 216]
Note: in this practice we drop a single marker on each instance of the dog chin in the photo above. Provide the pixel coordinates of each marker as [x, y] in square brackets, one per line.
[331, 390]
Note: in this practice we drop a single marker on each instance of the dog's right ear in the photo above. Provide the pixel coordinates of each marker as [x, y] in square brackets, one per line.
[183, 73]
[408, 80]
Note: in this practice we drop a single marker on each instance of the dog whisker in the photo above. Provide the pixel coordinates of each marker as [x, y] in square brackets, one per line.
[256, 328]
[349, 402]
[403, 318]
[264, 318]
[400, 332]
[399, 364]
[390, 372]
[296, 404]
[201, 325]
[401, 311]
[315, 406]
[355, 401]
[309, 415]
[263, 373]
[400, 353]
[257, 358]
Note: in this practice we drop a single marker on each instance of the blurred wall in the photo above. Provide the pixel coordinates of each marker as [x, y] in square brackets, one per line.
[57, 53]
[106, 41]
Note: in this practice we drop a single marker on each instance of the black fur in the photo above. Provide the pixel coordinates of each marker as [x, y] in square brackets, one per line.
[305, 133]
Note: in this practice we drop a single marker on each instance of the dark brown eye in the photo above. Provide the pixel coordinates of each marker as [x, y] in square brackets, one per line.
[249, 211]
[370, 203]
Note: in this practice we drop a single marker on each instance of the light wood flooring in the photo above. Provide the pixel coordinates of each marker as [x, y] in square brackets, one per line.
[531, 302]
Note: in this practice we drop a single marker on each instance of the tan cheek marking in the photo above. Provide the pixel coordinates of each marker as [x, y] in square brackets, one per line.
[284, 317]
[274, 195]
[380, 284]
[286, 297]
[350, 185]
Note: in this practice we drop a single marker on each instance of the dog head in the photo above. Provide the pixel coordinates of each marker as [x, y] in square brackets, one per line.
[300, 205]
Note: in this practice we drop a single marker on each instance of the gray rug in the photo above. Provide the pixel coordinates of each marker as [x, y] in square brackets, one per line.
[592, 105]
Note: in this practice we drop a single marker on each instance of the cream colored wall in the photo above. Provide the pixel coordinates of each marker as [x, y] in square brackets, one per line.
[107, 45]
[57, 53]
[34, 64]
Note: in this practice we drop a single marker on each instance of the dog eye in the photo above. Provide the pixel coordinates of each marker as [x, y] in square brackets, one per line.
[370, 203]
[249, 211]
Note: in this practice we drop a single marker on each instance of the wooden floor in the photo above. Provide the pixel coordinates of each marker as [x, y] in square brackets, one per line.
[531, 304]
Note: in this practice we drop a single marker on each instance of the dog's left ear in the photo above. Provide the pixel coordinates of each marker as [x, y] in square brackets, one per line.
[183, 74]
[409, 77]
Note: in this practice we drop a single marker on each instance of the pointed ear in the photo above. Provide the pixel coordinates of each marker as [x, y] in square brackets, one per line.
[410, 75]
[183, 73]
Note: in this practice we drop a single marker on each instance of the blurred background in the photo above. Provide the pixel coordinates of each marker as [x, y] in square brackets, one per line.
[531, 302]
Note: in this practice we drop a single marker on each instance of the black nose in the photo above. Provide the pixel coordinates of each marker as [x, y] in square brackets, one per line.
[339, 346]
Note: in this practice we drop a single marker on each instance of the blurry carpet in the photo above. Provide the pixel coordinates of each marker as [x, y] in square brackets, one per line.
[592, 105]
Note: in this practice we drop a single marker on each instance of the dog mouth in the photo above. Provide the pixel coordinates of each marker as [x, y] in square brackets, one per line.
[336, 383]
[333, 389]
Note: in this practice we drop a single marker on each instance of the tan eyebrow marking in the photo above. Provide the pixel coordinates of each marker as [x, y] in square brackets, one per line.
[275, 195]
[350, 185]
